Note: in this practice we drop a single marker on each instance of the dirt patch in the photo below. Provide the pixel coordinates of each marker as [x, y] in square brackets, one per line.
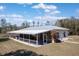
[74, 38]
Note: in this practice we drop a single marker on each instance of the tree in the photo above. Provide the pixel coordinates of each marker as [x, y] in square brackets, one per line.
[14, 27]
[33, 23]
[71, 23]
[3, 25]
[47, 23]
[25, 24]
[38, 23]
[58, 23]
[9, 27]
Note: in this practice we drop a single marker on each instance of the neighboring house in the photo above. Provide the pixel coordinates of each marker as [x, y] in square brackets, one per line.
[39, 35]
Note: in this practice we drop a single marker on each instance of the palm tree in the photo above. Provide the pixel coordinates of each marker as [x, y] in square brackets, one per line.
[33, 23]
[38, 23]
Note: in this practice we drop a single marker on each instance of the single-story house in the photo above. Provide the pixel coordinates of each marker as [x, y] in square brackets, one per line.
[40, 35]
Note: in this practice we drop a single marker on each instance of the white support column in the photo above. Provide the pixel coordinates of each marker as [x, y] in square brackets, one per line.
[16, 36]
[37, 39]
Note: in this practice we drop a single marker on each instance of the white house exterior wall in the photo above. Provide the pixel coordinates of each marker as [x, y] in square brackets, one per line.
[61, 35]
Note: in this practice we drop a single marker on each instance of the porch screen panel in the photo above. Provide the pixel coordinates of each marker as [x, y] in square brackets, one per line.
[21, 37]
[26, 38]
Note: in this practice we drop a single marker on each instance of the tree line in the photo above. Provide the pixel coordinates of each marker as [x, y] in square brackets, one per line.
[6, 26]
[71, 23]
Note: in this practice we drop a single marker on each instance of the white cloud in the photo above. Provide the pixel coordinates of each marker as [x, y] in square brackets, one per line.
[29, 3]
[13, 18]
[2, 8]
[24, 4]
[47, 10]
[55, 12]
[50, 9]
[49, 18]
[16, 15]
[77, 12]
[44, 6]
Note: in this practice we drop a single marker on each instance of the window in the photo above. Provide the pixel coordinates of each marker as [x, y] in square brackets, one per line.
[33, 37]
[64, 34]
[26, 36]
[57, 35]
[21, 35]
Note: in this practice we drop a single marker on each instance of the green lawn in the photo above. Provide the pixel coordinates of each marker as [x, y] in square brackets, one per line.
[51, 49]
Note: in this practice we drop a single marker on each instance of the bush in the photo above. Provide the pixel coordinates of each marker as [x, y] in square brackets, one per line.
[3, 39]
[22, 53]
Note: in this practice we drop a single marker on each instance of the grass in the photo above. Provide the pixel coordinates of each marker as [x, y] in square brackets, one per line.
[3, 39]
[52, 49]
[75, 38]
[12, 46]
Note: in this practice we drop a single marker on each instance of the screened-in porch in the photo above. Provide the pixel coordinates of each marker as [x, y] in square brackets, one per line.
[39, 39]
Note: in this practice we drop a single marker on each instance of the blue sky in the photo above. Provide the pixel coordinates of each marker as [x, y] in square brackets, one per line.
[20, 12]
